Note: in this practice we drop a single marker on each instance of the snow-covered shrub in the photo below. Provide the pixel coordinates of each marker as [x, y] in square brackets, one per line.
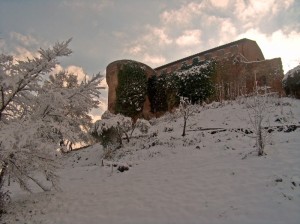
[142, 125]
[291, 82]
[196, 82]
[111, 128]
[193, 82]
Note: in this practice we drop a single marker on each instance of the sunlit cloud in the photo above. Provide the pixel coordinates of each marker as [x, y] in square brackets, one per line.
[252, 12]
[26, 40]
[22, 54]
[218, 3]
[154, 60]
[189, 38]
[183, 15]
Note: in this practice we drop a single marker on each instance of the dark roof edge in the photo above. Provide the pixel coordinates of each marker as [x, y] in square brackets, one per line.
[204, 52]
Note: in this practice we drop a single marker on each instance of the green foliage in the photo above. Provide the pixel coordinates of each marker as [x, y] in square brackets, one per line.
[132, 89]
[194, 82]
[163, 92]
[195, 61]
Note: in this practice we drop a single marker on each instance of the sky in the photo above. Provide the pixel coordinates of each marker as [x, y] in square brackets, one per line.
[154, 32]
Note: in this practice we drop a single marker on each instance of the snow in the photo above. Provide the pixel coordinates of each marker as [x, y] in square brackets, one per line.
[204, 177]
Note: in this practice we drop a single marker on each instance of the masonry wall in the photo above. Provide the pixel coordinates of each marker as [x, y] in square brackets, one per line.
[235, 77]
[239, 64]
[249, 49]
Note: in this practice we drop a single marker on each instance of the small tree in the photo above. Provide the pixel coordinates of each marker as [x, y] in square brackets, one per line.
[186, 109]
[259, 108]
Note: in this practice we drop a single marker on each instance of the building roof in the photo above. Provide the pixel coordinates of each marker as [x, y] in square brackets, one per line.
[205, 52]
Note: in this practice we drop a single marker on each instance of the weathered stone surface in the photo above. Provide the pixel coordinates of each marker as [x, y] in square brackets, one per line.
[240, 64]
[245, 47]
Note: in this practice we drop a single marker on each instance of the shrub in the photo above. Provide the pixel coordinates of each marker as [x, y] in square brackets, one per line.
[291, 82]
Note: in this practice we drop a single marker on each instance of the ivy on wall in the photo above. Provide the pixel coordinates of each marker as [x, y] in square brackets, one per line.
[132, 89]
[163, 92]
[194, 82]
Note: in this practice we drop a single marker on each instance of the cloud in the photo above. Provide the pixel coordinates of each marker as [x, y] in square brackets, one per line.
[76, 70]
[22, 54]
[218, 3]
[189, 38]
[228, 31]
[134, 50]
[252, 12]
[92, 5]
[2, 44]
[26, 40]
[160, 35]
[183, 15]
[153, 60]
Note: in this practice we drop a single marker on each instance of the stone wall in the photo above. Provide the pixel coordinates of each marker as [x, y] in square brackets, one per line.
[239, 64]
[236, 77]
[245, 47]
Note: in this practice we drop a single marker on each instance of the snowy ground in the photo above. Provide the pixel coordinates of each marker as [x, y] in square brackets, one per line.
[204, 177]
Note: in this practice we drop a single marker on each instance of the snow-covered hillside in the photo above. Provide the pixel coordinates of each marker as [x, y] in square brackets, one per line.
[208, 176]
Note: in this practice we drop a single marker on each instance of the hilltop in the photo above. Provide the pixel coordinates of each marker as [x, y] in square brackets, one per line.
[212, 175]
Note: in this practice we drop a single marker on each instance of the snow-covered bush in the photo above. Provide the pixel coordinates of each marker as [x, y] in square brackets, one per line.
[196, 82]
[36, 112]
[291, 82]
[142, 125]
[193, 82]
[111, 129]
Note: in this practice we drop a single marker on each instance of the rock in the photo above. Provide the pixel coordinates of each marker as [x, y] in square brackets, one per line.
[290, 128]
[123, 168]
[278, 179]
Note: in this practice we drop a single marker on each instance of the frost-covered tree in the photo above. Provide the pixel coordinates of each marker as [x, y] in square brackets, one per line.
[259, 108]
[186, 109]
[36, 112]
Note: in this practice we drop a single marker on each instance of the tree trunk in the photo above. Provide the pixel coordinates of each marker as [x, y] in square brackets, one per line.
[260, 143]
[184, 126]
[2, 175]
